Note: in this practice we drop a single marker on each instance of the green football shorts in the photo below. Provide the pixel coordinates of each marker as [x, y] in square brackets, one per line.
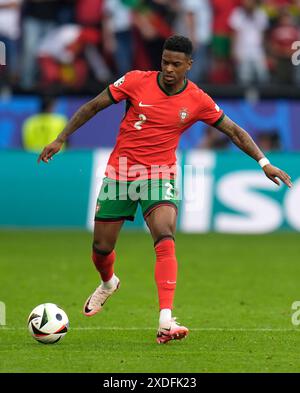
[118, 200]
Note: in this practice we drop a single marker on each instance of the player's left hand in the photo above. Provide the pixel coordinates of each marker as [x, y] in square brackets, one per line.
[49, 151]
[274, 173]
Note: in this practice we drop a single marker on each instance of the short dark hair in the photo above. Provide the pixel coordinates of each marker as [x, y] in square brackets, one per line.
[179, 43]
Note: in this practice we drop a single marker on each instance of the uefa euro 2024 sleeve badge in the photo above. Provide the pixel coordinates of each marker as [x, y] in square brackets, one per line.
[120, 81]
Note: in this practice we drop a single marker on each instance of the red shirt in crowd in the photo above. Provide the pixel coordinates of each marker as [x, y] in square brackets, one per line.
[222, 10]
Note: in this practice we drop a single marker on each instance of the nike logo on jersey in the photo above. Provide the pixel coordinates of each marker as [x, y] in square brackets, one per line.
[143, 105]
[171, 282]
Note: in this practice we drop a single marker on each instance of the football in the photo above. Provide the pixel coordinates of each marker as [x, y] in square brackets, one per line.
[48, 323]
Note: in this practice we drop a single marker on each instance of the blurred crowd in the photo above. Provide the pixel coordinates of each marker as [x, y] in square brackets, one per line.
[77, 45]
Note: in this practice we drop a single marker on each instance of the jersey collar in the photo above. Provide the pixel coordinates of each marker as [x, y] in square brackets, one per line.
[165, 91]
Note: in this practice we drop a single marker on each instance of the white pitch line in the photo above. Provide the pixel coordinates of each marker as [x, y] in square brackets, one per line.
[212, 329]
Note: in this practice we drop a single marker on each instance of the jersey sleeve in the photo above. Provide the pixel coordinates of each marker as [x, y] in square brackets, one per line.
[124, 87]
[209, 111]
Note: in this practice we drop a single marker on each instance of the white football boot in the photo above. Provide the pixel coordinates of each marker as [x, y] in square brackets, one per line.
[96, 301]
[170, 330]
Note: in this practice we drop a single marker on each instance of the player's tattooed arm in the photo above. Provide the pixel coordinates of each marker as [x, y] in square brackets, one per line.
[243, 140]
[80, 117]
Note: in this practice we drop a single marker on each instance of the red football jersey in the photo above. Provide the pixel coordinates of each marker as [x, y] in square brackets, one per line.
[154, 120]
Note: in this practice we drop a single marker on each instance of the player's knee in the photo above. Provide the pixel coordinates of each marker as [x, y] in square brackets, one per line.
[162, 236]
[164, 230]
[103, 248]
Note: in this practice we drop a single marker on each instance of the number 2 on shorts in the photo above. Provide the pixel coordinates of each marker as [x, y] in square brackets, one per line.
[169, 194]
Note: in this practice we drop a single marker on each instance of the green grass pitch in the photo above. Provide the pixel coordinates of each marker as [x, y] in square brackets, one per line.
[234, 293]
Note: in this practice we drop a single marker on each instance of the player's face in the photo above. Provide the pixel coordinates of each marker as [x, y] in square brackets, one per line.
[174, 66]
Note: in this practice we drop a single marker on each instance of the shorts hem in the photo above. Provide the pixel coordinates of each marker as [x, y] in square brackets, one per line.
[158, 204]
[114, 219]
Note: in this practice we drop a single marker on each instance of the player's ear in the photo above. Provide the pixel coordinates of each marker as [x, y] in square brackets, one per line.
[190, 63]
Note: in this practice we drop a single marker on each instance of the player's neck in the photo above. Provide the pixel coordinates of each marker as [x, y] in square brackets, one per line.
[172, 89]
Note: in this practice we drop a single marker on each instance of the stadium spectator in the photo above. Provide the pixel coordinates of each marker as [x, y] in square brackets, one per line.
[221, 69]
[294, 9]
[10, 36]
[221, 29]
[249, 24]
[118, 35]
[91, 14]
[41, 128]
[273, 8]
[64, 57]
[39, 17]
[195, 22]
[153, 20]
[280, 43]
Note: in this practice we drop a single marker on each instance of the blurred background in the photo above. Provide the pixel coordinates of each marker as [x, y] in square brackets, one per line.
[61, 53]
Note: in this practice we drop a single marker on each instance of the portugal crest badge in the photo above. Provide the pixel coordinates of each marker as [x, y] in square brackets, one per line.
[183, 114]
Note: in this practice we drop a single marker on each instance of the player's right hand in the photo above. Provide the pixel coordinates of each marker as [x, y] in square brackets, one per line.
[49, 151]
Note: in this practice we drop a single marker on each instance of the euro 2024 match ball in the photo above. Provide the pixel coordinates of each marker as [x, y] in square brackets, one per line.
[48, 323]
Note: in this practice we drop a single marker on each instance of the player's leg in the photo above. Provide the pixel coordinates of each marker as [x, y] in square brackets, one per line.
[103, 256]
[162, 224]
[113, 207]
[105, 238]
